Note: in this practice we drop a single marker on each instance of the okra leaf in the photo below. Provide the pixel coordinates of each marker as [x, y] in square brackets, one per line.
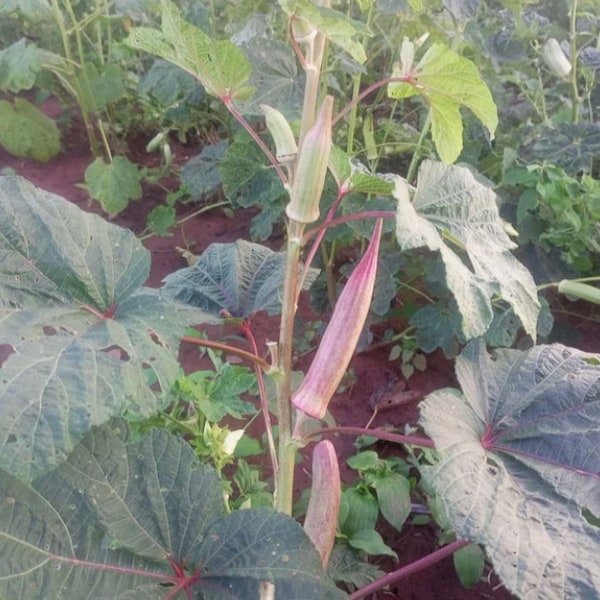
[19, 65]
[248, 182]
[572, 146]
[275, 78]
[447, 82]
[335, 25]
[128, 518]
[25, 131]
[239, 278]
[455, 215]
[518, 467]
[85, 340]
[113, 184]
[219, 65]
[201, 174]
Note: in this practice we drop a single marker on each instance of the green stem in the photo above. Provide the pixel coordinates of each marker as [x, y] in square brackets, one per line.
[414, 163]
[365, 93]
[357, 80]
[287, 448]
[264, 403]
[573, 58]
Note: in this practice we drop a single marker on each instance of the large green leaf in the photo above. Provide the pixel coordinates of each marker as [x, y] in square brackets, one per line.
[455, 215]
[86, 338]
[447, 82]
[239, 278]
[220, 66]
[519, 464]
[133, 519]
[27, 132]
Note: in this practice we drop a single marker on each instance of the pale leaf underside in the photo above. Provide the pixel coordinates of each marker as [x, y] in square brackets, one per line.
[519, 464]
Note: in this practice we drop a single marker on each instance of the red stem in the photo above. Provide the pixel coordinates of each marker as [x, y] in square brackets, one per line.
[367, 91]
[382, 434]
[242, 121]
[264, 403]
[367, 214]
[256, 360]
[414, 567]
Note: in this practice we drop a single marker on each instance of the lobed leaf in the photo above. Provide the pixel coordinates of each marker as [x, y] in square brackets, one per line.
[447, 82]
[335, 25]
[241, 278]
[519, 464]
[219, 65]
[456, 216]
[134, 519]
[25, 131]
[19, 65]
[113, 184]
[84, 337]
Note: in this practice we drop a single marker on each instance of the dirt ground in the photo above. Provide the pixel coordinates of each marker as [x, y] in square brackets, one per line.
[372, 369]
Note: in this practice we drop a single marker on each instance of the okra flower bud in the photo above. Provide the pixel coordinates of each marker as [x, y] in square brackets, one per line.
[555, 58]
[341, 336]
[282, 134]
[325, 496]
[311, 168]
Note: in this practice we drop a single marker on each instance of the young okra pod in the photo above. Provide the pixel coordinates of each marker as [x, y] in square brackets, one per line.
[321, 519]
[311, 168]
[341, 336]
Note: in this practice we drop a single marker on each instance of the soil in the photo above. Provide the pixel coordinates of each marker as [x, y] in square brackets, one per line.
[372, 369]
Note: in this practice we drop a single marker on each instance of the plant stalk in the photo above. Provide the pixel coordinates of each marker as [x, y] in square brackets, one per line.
[287, 448]
[414, 567]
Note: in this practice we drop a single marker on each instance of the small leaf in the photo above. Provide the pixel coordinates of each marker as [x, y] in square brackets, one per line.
[393, 496]
[346, 565]
[161, 218]
[113, 184]
[362, 508]
[447, 81]
[19, 65]
[371, 542]
[469, 563]
[27, 132]
[99, 86]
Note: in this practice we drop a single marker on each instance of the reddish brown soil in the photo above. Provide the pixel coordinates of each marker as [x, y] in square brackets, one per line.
[372, 369]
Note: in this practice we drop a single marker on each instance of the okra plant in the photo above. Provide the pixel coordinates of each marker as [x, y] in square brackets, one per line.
[89, 508]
